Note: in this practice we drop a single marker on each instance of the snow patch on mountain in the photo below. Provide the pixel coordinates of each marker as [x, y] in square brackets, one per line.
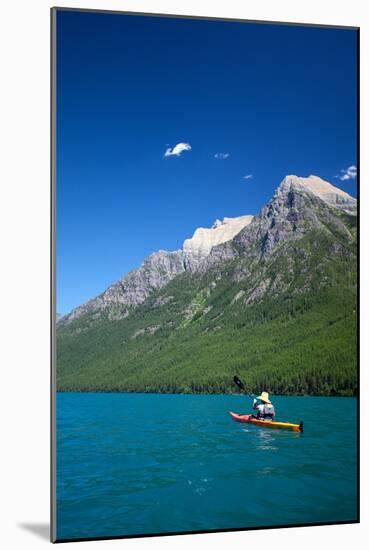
[205, 238]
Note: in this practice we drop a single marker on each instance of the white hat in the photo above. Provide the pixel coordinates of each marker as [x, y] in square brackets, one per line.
[264, 397]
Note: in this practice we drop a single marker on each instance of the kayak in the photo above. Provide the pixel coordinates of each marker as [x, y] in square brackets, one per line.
[248, 418]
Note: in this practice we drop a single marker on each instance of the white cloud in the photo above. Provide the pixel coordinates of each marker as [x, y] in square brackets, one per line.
[248, 176]
[177, 150]
[349, 173]
[221, 156]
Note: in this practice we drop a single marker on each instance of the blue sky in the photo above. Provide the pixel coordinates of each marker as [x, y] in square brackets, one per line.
[276, 99]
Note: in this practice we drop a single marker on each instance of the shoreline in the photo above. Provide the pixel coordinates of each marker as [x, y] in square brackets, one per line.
[355, 396]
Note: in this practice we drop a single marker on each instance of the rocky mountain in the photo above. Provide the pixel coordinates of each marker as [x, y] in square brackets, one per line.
[132, 290]
[158, 269]
[271, 297]
[298, 206]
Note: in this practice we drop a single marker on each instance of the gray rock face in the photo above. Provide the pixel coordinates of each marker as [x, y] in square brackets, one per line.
[132, 290]
[294, 210]
[298, 206]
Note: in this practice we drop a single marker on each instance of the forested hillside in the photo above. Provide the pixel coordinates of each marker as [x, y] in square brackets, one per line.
[275, 306]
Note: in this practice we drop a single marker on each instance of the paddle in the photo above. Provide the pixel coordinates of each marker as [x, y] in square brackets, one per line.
[238, 383]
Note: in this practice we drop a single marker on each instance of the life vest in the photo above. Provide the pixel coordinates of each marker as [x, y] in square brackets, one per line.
[266, 410]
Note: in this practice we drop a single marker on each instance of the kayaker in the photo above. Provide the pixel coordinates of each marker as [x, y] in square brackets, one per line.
[264, 407]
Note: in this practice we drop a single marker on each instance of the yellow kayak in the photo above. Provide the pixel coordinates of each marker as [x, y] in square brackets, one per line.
[248, 418]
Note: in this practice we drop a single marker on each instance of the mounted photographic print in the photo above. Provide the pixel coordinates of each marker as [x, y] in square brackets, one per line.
[204, 268]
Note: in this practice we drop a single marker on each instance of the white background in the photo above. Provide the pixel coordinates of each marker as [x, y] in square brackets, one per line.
[24, 255]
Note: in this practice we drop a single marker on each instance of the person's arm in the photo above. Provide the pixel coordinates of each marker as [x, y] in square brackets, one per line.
[255, 405]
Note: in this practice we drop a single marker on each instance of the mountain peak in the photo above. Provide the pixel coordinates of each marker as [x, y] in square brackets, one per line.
[296, 208]
[331, 195]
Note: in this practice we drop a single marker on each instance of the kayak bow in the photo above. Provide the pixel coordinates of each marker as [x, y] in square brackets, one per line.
[248, 418]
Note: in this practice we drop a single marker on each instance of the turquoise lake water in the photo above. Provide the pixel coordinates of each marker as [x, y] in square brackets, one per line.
[145, 463]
